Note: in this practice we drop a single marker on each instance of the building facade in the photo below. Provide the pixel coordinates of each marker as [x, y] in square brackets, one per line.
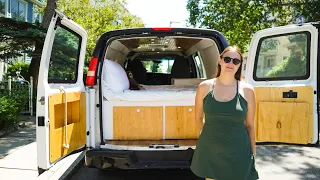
[24, 10]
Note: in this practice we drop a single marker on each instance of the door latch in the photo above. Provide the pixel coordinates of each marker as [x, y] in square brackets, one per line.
[290, 94]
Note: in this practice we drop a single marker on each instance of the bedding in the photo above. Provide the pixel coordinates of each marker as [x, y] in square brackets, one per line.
[114, 77]
[154, 93]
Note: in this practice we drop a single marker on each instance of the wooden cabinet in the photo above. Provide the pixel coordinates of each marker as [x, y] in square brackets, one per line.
[286, 122]
[137, 123]
[180, 122]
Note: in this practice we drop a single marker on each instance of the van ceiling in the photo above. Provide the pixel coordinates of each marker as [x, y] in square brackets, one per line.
[167, 44]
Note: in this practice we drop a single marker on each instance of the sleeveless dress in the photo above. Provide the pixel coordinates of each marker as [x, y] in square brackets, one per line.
[223, 150]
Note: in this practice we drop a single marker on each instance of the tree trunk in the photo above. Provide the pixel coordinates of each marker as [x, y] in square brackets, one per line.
[36, 57]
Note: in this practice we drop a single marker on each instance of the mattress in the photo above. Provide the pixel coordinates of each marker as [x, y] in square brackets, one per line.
[154, 93]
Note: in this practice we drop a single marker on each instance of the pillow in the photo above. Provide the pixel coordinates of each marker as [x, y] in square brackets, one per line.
[114, 76]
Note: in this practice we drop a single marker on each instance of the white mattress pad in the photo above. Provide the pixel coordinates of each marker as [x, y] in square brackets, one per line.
[154, 93]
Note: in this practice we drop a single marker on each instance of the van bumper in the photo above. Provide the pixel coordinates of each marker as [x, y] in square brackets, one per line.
[128, 159]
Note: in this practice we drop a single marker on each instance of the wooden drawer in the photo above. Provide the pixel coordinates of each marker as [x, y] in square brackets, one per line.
[137, 123]
[181, 123]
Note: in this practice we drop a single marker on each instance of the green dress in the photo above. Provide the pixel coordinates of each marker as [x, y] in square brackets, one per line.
[223, 150]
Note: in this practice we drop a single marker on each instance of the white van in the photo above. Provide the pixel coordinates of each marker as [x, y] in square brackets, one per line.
[148, 121]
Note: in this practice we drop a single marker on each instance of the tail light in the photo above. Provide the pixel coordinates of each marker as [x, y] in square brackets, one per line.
[91, 76]
[162, 29]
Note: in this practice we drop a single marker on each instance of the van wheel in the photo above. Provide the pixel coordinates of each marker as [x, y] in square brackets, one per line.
[40, 171]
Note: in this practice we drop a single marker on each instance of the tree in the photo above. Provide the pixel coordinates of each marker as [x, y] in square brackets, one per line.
[96, 17]
[238, 20]
[17, 37]
[99, 17]
[36, 55]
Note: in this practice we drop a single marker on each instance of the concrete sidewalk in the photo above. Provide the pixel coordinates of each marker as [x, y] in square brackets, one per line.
[18, 152]
[18, 156]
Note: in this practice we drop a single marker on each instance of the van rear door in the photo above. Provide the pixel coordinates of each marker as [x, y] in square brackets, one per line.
[61, 97]
[282, 66]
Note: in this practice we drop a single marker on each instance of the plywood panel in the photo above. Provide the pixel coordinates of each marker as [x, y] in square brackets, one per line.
[76, 128]
[275, 94]
[181, 123]
[284, 122]
[137, 123]
[181, 142]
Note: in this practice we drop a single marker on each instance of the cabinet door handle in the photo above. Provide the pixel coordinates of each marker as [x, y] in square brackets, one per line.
[278, 125]
[138, 110]
[190, 110]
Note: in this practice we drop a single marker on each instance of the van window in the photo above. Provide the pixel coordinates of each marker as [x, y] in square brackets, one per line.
[199, 66]
[158, 65]
[283, 57]
[63, 65]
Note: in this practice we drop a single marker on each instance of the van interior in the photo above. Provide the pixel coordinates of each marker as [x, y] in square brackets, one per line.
[168, 70]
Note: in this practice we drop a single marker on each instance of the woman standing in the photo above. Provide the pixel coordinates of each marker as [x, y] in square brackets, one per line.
[226, 146]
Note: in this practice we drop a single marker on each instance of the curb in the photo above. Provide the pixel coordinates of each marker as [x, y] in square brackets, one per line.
[74, 167]
[65, 168]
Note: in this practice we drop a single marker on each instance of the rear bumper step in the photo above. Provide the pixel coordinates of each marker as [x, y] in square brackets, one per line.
[122, 159]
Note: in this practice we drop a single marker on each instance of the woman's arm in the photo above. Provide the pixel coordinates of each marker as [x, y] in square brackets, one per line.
[249, 122]
[199, 105]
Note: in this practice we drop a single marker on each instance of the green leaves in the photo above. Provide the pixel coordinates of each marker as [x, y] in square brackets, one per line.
[238, 20]
[17, 37]
[98, 17]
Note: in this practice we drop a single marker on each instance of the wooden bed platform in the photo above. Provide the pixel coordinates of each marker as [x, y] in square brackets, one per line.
[181, 142]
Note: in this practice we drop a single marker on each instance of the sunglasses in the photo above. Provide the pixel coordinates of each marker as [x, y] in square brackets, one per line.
[235, 61]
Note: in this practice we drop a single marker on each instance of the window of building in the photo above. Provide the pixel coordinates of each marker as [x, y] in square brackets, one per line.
[20, 12]
[2, 7]
[37, 17]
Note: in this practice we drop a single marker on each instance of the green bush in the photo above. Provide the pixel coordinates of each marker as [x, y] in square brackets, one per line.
[12, 105]
[9, 112]
[20, 66]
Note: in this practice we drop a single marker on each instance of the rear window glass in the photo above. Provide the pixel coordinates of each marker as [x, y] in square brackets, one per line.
[283, 57]
[63, 67]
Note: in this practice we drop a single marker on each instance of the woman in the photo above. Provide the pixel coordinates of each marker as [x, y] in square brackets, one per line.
[226, 146]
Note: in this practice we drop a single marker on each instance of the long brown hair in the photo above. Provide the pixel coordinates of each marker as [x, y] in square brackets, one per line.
[231, 48]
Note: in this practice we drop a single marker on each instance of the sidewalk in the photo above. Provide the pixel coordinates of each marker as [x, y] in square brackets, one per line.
[18, 152]
[18, 156]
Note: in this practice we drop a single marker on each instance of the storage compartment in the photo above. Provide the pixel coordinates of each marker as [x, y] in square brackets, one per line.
[133, 123]
[286, 122]
[280, 118]
[181, 123]
[163, 74]
[72, 133]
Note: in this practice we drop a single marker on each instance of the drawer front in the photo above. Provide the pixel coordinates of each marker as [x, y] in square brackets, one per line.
[137, 123]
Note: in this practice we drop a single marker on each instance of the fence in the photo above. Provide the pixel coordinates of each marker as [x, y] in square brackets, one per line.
[18, 86]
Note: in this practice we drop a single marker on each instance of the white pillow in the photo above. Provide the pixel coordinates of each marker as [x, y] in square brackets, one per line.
[114, 76]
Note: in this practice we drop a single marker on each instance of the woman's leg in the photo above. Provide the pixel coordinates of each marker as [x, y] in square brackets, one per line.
[209, 179]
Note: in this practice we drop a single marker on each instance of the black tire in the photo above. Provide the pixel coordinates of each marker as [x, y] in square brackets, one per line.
[40, 171]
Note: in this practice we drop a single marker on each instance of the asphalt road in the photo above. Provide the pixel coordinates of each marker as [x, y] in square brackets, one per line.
[273, 162]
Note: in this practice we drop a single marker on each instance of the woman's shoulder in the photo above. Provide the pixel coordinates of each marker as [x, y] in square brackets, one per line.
[205, 86]
[246, 86]
[247, 90]
[206, 83]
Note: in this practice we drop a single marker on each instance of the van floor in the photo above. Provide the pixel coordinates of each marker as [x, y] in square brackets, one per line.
[181, 142]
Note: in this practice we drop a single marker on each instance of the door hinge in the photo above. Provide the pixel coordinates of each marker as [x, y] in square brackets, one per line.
[41, 100]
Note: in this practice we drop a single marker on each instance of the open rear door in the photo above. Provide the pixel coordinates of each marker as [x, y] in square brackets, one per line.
[282, 67]
[61, 99]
